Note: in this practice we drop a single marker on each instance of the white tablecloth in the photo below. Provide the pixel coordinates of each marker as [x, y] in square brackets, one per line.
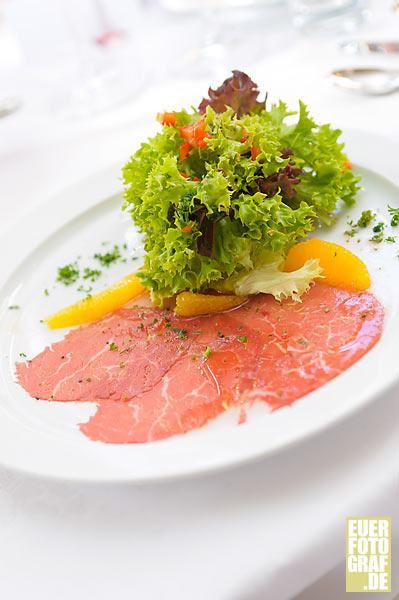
[263, 531]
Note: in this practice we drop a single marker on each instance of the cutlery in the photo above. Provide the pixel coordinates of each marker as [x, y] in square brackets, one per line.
[369, 81]
[373, 47]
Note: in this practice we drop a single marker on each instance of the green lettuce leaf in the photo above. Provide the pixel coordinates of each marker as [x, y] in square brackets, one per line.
[270, 279]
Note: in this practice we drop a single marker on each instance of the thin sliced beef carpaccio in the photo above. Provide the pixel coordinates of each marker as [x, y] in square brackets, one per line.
[175, 404]
[117, 358]
[154, 375]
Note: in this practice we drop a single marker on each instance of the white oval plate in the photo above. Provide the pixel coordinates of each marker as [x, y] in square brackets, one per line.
[42, 438]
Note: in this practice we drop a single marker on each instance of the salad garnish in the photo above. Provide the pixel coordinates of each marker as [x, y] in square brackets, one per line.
[222, 193]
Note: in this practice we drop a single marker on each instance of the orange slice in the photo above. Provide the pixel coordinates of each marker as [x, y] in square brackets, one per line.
[96, 306]
[189, 304]
[341, 268]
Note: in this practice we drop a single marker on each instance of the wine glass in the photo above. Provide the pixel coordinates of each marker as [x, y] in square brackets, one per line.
[109, 70]
[225, 34]
[319, 16]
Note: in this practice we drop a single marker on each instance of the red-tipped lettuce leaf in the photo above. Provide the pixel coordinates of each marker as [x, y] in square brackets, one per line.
[239, 92]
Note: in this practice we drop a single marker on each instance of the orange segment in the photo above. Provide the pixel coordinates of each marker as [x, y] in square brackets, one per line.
[189, 304]
[341, 268]
[95, 307]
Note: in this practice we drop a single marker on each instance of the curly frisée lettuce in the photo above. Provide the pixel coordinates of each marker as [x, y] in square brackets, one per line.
[219, 191]
[271, 279]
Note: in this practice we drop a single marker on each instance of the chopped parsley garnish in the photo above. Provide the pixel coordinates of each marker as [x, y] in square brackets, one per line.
[113, 346]
[14, 307]
[207, 352]
[68, 274]
[366, 218]
[379, 227]
[378, 230]
[390, 239]
[242, 338]
[353, 229]
[378, 237]
[22, 355]
[220, 334]
[108, 258]
[394, 213]
[85, 290]
[182, 333]
[91, 274]
[46, 292]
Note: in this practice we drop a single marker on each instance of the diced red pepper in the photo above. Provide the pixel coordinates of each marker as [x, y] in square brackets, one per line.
[244, 136]
[255, 151]
[187, 228]
[195, 134]
[184, 150]
[167, 118]
[188, 176]
[347, 165]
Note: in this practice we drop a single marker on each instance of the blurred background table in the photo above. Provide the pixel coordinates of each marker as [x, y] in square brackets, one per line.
[271, 529]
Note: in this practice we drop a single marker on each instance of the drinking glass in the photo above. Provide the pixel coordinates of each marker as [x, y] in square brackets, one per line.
[226, 34]
[316, 16]
[106, 56]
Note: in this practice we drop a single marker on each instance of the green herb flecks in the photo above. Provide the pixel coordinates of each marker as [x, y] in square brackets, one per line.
[394, 213]
[379, 227]
[113, 346]
[352, 229]
[378, 230]
[14, 307]
[366, 218]
[182, 333]
[91, 274]
[85, 290]
[207, 352]
[68, 274]
[108, 258]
